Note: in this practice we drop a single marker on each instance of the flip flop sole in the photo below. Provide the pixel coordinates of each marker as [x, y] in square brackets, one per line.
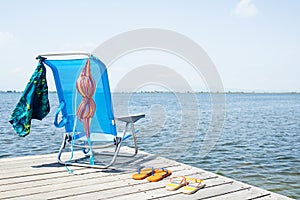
[173, 186]
[144, 173]
[191, 189]
[159, 175]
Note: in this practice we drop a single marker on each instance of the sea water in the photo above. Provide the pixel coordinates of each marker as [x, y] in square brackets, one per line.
[255, 138]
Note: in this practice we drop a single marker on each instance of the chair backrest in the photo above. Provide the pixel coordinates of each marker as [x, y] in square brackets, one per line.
[73, 81]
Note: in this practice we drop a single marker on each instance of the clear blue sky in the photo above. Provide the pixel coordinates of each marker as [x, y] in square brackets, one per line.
[255, 44]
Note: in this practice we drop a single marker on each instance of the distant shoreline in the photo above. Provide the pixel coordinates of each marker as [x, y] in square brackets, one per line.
[167, 92]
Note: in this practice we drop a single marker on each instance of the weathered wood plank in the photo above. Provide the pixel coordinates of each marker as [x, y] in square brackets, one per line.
[154, 191]
[133, 187]
[22, 158]
[211, 191]
[249, 193]
[88, 186]
[66, 182]
[33, 169]
[39, 177]
[7, 163]
[273, 196]
[37, 166]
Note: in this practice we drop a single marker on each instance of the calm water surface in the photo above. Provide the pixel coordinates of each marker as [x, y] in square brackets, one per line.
[259, 143]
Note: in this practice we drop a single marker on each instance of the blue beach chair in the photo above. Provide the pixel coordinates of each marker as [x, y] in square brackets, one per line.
[86, 108]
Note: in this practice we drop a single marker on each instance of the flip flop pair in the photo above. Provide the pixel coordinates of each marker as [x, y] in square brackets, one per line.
[190, 185]
[152, 174]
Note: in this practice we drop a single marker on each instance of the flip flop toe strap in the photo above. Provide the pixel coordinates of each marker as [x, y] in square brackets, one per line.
[183, 180]
[195, 183]
[145, 167]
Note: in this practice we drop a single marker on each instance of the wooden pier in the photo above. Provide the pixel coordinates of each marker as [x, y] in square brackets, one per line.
[40, 177]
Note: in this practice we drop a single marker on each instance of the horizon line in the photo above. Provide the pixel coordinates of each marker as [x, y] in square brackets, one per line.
[186, 92]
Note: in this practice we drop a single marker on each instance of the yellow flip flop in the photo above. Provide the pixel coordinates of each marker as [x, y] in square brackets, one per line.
[176, 182]
[159, 174]
[193, 186]
[143, 173]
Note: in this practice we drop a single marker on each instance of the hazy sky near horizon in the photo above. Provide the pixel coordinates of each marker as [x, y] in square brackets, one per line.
[255, 44]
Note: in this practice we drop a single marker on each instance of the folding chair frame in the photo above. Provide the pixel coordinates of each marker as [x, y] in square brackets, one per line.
[118, 142]
[129, 120]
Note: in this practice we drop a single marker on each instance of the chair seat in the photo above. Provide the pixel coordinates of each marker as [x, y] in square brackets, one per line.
[100, 137]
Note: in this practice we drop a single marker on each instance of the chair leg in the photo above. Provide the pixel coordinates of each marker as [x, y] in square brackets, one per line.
[118, 144]
[63, 145]
[134, 140]
[115, 154]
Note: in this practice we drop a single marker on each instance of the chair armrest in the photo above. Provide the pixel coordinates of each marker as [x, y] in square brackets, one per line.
[130, 118]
